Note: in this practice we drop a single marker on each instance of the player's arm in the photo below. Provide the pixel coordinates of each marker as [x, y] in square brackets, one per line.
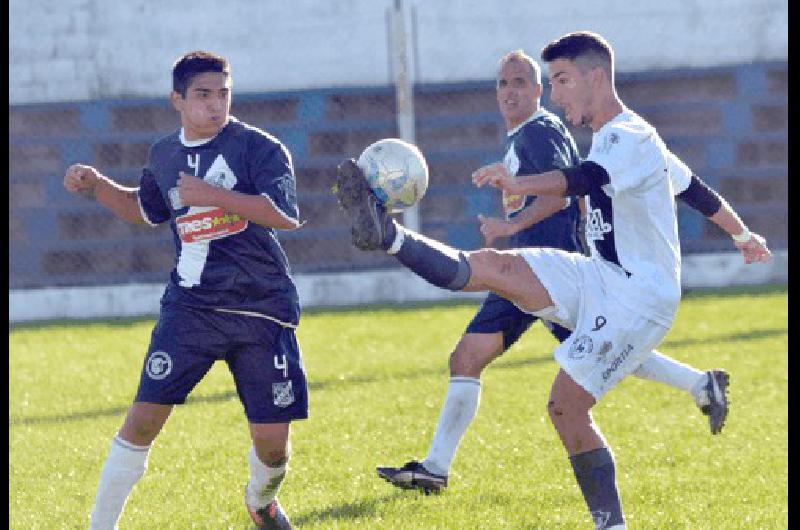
[90, 183]
[542, 208]
[259, 209]
[708, 202]
[575, 180]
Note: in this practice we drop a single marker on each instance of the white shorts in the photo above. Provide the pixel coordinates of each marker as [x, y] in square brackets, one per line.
[608, 341]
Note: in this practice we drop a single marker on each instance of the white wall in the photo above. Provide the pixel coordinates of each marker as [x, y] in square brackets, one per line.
[81, 49]
[395, 286]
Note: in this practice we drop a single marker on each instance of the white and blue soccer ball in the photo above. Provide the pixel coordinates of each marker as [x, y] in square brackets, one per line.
[396, 172]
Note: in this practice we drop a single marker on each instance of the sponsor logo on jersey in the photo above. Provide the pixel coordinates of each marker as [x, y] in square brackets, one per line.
[158, 365]
[581, 347]
[512, 203]
[214, 223]
[617, 362]
[282, 394]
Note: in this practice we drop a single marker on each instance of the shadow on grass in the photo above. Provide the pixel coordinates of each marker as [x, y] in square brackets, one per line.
[332, 384]
[732, 337]
[348, 511]
[313, 386]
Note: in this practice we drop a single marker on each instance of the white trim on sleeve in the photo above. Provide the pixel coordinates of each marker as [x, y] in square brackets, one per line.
[144, 214]
[292, 220]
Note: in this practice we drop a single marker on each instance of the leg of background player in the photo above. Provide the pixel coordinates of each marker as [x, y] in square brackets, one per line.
[709, 389]
[471, 355]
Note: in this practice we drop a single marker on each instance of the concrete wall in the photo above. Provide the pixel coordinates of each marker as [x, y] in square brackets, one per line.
[343, 289]
[62, 50]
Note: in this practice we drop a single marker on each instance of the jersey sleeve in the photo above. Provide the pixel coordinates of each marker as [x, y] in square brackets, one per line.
[273, 177]
[545, 150]
[679, 173]
[151, 202]
[629, 156]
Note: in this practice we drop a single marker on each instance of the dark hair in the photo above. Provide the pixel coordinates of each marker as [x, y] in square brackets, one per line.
[194, 63]
[580, 44]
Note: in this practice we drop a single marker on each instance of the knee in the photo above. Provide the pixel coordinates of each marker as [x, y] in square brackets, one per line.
[271, 450]
[469, 360]
[555, 411]
[562, 412]
[464, 363]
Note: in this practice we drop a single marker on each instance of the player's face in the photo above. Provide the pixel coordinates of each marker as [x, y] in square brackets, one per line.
[571, 90]
[517, 94]
[205, 109]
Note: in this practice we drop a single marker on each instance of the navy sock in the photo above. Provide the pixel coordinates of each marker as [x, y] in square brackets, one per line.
[435, 262]
[596, 476]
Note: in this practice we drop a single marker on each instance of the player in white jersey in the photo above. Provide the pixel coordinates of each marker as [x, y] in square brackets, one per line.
[620, 302]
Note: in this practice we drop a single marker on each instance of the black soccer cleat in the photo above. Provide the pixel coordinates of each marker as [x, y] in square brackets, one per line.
[717, 393]
[413, 475]
[371, 222]
[270, 517]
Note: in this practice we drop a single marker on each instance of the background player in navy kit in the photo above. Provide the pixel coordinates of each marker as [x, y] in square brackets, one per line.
[536, 141]
[224, 187]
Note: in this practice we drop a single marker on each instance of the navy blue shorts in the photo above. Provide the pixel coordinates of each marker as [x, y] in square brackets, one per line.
[263, 357]
[497, 314]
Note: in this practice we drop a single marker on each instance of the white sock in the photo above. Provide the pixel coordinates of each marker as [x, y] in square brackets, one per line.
[460, 406]
[264, 482]
[658, 367]
[124, 466]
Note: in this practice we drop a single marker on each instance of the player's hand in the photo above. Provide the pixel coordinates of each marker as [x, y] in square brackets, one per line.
[493, 228]
[754, 250]
[81, 179]
[495, 175]
[195, 191]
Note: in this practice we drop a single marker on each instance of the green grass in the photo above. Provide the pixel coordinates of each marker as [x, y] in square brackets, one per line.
[377, 378]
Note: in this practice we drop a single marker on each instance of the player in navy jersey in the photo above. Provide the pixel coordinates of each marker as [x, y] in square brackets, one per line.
[224, 187]
[619, 301]
[536, 141]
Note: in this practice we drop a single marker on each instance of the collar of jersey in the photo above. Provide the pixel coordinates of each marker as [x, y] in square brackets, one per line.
[201, 141]
[538, 114]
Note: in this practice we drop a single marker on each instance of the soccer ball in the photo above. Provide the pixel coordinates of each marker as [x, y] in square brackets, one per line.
[396, 172]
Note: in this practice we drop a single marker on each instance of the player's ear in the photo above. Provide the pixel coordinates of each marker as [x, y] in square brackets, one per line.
[177, 100]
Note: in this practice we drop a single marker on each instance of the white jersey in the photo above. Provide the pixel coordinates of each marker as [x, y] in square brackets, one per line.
[631, 223]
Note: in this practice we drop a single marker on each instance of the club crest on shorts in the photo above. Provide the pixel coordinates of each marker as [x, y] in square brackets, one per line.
[581, 347]
[282, 394]
[158, 365]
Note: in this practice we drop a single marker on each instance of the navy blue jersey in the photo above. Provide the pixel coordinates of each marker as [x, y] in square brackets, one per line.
[540, 144]
[222, 261]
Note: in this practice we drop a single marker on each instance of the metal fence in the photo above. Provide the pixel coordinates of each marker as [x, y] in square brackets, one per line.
[729, 124]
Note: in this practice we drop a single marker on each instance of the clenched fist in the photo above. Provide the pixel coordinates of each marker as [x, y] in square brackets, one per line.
[81, 179]
[195, 191]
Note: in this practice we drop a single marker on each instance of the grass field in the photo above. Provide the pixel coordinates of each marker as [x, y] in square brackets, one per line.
[377, 379]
